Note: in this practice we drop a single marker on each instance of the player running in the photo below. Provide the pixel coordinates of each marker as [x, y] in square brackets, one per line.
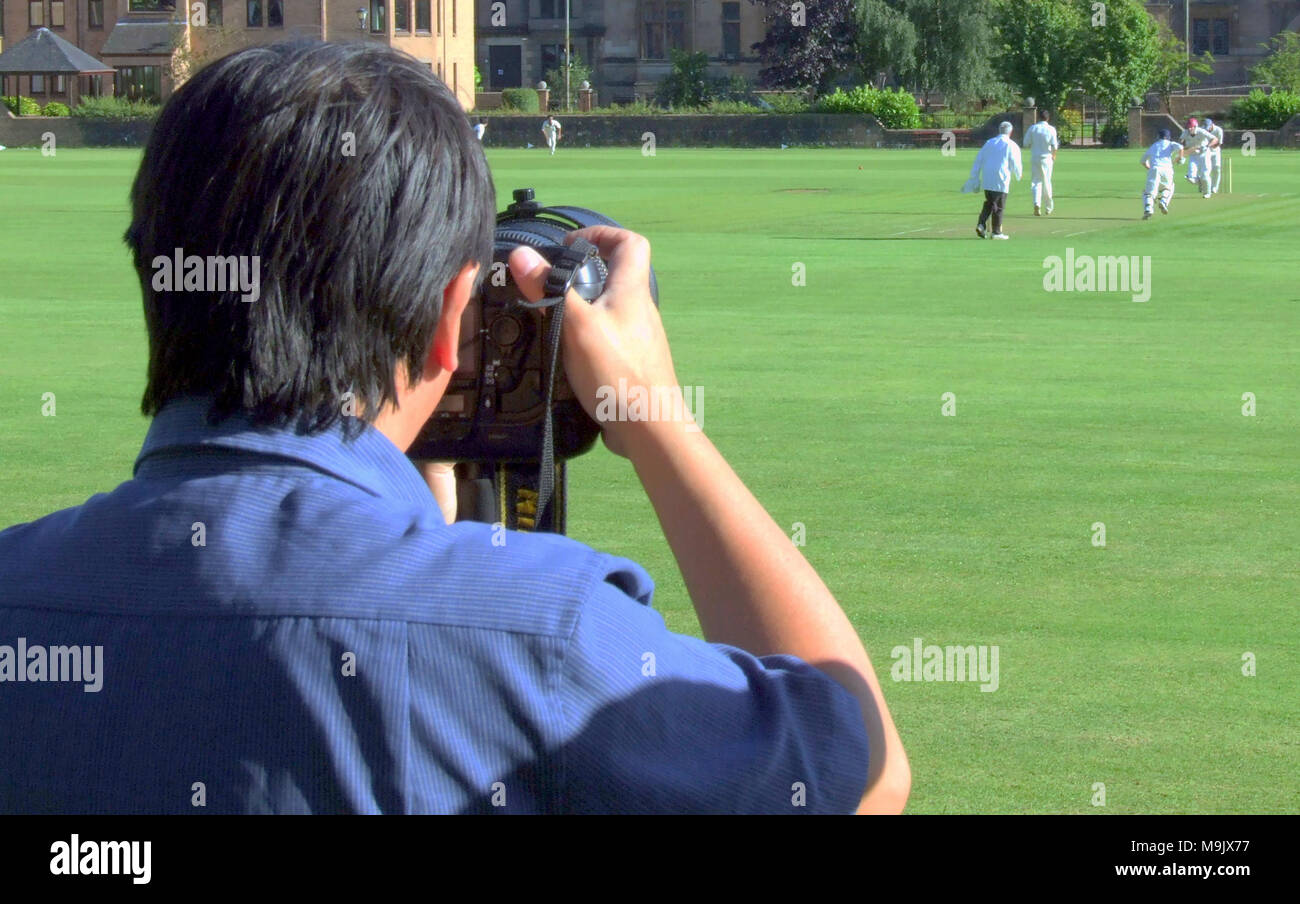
[551, 130]
[1159, 162]
[1198, 142]
[1042, 143]
[1216, 153]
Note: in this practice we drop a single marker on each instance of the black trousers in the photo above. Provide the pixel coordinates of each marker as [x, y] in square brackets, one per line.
[994, 203]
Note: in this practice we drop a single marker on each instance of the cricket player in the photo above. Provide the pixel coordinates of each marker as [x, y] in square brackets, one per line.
[551, 130]
[1042, 142]
[480, 128]
[1197, 143]
[994, 166]
[1159, 162]
[1216, 153]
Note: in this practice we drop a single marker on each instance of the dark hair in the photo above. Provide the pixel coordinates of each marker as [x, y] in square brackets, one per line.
[1044, 114]
[348, 173]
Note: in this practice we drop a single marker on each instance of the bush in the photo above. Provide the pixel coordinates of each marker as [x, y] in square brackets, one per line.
[525, 100]
[22, 106]
[688, 84]
[894, 109]
[786, 103]
[1265, 111]
[54, 108]
[118, 109]
[1069, 124]
[1114, 134]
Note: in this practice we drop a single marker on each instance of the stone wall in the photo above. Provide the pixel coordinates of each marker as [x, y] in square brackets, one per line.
[675, 131]
[70, 131]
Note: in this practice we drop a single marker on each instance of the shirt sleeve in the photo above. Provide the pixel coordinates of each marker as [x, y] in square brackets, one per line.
[662, 722]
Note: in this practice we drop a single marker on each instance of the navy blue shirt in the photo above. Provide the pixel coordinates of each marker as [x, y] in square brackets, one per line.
[263, 621]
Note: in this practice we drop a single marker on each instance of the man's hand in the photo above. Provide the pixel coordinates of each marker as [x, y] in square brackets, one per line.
[617, 336]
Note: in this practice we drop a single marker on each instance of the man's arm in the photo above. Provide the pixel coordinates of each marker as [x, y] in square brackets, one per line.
[750, 585]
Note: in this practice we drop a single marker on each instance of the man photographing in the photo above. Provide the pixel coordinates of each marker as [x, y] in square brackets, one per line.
[287, 622]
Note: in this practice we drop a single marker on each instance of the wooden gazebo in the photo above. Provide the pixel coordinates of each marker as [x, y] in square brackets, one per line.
[44, 53]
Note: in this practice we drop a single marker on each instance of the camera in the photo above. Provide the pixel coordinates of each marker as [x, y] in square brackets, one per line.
[495, 407]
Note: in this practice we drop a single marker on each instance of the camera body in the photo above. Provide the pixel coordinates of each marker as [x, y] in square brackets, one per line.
[494, 409]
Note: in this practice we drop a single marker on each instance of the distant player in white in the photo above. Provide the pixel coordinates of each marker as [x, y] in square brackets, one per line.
[479, 128]
[1042, 143]
[1159, 162]
[1216, 154]
[1198, 143]
[551, 130]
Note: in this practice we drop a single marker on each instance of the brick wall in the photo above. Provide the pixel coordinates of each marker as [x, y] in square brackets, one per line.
[70, 132]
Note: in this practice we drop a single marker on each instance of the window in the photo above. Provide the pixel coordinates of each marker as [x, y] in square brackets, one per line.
[139, 83]
[151, 6]
[550, 9]
[377, 9]
[439, 21]
[254, 13]
[38, 84]
[552, 54]
[36, 13]
[56, 14]
[453, 18]
[663, 28]
[214, 12]
[60, 84]
[401, 16]
[275, 13]
[1210, 35]
[93, 86]
[422, 16]
[731, 30]
[95, 14]
[455, 78]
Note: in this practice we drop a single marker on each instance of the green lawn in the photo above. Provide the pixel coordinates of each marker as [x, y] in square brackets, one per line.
[1120, 665]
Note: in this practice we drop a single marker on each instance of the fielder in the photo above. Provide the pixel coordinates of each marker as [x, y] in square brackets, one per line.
[551, 130]
[1216, 153]
[1042, 142]
[1197, 143]
[1159, 162]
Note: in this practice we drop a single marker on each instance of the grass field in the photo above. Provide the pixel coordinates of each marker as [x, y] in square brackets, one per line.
[1120, 664]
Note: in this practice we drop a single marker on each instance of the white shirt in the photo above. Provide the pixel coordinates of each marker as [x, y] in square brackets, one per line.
[1217, 132]
[479, 129]
[1161, 154]
[1041, 139]
[1195, 139]
[996, 162]
[550, 128]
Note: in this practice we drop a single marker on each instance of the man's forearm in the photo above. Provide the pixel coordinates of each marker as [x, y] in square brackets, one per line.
[753, 589]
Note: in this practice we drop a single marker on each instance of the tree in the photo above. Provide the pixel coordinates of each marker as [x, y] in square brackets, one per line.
[1040, 48]
[688, 84]
[886, 40]
[1282, 68]
[579, 72]
[954, 41]
[808, 44]
[1120, 53]
[1171, 67]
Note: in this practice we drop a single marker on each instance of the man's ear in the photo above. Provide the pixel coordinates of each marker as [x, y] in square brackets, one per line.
[445, 351]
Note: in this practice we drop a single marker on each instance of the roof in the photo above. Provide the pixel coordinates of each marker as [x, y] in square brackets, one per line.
[143, 39]
[44, 53]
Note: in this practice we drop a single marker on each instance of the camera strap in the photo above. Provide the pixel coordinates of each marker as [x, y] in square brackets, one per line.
[550, 504]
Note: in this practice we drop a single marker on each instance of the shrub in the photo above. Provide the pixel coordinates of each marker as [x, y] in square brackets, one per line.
[688, 84]
[1069, 124]
[118, 109]
[22, 106]
[54, 108]
[730, 106]
[1265, 111]
[1114, 134]
[786, 103]
[894, 109]
[525, 100]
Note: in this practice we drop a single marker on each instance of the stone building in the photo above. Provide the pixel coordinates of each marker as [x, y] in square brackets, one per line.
[154, 44]
[1231, 30]
[626, 42]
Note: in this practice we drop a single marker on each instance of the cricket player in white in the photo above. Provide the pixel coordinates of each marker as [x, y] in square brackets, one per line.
[1216, 154]
[1042, 143]
[1159, 162]
[551, 129]
[1198, 142]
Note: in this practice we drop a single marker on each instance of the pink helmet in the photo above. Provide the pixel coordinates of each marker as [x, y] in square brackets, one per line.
[1192, 123]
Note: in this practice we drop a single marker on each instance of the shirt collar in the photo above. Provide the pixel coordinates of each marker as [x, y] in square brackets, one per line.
[369, 461]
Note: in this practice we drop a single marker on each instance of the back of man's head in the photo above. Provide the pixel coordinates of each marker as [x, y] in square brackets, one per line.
[348, 177]
[1004, 128]
[1044, 115]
